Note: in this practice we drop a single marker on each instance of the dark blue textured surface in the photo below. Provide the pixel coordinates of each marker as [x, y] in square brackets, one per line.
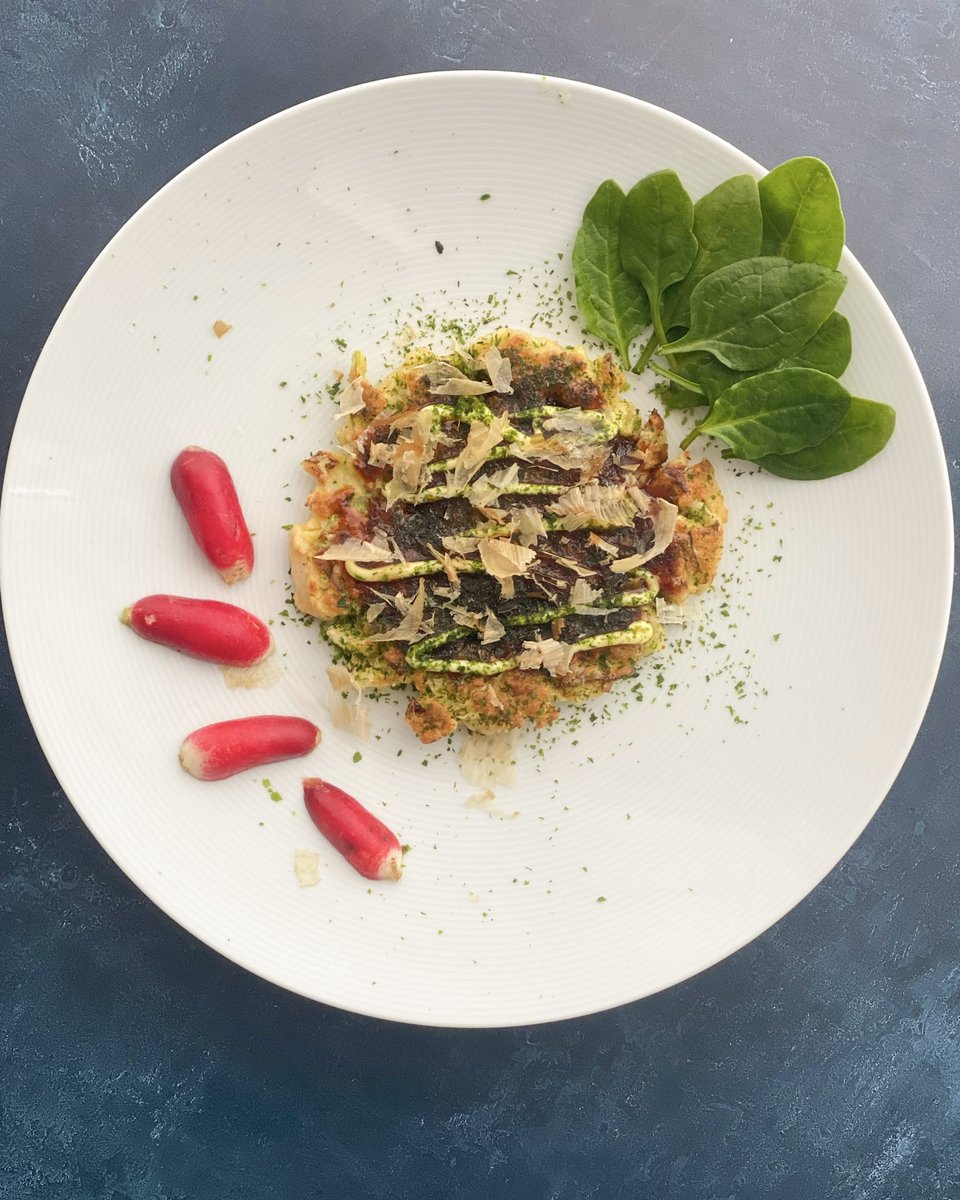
[823, 1061]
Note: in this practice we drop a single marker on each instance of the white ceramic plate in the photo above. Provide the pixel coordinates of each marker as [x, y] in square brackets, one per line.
[649, 842]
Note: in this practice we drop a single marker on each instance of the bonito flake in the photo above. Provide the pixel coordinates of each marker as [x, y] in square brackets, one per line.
[504, 560]
[350, 397]
[488, 759]
[355, 550]
[445, 379]
[664, 523]
[594, 504]
[499, 370]
[493, 629]
[412, 456]
[553, 656]
[413, 627]
[483, 491]
[528, 522]
[583, 598]
[481, 439]
[349, 713]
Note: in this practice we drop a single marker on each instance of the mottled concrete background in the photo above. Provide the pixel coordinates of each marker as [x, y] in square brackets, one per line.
[821, 1062]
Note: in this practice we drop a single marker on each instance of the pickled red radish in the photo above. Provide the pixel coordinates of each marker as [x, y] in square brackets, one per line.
[228, 747]
[207, 629]
[206, 493]
[364, 841]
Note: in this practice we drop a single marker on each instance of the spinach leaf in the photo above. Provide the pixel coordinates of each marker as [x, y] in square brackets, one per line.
[709, 374]
[754, 313]
[864, 432]
[828, 350]
[656, 236]
[613, 305]
[728, 226]
[777, 412]
[802, 218]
